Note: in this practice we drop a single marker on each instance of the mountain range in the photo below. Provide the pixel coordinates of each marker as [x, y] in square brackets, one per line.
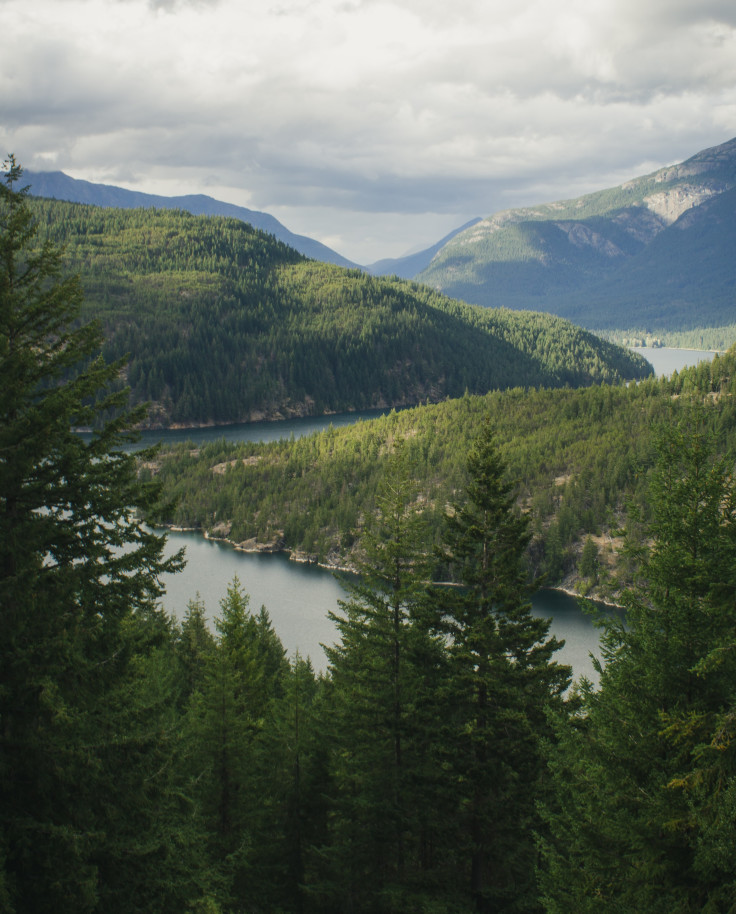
[220, 322]
[56, 185]
[656, 253]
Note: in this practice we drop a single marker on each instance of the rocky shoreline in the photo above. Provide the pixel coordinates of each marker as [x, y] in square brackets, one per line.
[273, 547]
[335, 562]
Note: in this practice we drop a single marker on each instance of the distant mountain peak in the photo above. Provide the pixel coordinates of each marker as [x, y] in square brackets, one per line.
[408, 266]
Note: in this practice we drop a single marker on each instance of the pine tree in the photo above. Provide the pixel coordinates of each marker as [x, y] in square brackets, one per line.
[503, 681]
[79, 579]
[195, 643]
[295, 752]
[383, 677]
[230, 711]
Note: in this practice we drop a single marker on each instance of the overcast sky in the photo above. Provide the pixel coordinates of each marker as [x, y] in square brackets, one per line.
[375, 126]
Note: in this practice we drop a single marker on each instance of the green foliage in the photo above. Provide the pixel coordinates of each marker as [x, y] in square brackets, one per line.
[699, 337]
[222, 323]
[502, 681]
[385, 674]
[85, 692]
[150, 767]
[578, 456]
[589, 559]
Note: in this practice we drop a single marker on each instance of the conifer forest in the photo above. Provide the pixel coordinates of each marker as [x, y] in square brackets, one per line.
[444, 763]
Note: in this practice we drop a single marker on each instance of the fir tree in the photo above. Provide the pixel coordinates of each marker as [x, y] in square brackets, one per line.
[230, 711]
[79, 579]
[383, 673]
[503, 680]
[645, 777]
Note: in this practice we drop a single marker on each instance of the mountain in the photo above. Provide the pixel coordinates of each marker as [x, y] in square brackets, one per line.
[407, 267]
[57, 186]
[656, 252]
[223, 323]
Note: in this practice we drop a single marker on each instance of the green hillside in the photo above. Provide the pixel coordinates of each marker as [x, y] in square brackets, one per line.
[578, 456]
[223, 323]
[656, 252]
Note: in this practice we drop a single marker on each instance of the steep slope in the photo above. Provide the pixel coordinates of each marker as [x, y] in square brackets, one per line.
[407, 267]
[656, 251]
[223, 323]
[58, 186]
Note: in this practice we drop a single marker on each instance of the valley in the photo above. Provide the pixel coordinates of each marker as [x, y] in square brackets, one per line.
[440, 757]
[654, 254]
[578, 457]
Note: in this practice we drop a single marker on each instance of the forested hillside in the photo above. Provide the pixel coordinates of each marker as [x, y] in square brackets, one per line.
[655, 253]
[223, 323]
[578, 456]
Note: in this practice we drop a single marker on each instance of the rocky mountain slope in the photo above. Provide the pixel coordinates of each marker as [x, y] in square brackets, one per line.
[657, 251]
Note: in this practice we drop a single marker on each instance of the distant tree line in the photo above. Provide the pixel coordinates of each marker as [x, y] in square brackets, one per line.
[579, 455]
[713, 338]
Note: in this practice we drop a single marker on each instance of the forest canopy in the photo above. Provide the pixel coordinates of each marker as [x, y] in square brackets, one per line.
[222, 323]
[150, 765]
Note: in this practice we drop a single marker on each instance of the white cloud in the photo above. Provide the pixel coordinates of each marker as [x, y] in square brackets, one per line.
[341, 113]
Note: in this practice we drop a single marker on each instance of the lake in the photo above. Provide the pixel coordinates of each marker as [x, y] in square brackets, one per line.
[665, 360]
[298, 598]
[254, 431]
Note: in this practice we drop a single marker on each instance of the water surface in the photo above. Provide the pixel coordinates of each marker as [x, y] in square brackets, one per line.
[298, 598]
[255, 431]
[665, 360]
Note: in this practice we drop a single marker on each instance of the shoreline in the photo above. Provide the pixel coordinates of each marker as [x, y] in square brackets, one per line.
[302, 558]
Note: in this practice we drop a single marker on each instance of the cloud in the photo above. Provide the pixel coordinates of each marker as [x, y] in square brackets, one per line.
[349, 109]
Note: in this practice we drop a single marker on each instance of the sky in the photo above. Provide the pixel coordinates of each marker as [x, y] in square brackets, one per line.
[374, 126]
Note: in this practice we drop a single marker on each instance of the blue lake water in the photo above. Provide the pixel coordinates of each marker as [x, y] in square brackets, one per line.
[298, 597]
[255, 431]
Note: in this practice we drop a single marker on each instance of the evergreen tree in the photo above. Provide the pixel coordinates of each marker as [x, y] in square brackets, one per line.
[589, 559]
[296, 753]
[645, 778]
[195, 643]
[503, 681]
[79, 577]
[383, 674]
[230, 711]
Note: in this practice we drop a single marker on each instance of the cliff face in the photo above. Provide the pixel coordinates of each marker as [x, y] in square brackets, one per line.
[670, 204]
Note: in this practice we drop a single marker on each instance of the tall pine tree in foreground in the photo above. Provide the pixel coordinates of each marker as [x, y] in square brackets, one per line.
[384, 675]
[230, 718]
[82, 685]
[645, 779]
[503, 680]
